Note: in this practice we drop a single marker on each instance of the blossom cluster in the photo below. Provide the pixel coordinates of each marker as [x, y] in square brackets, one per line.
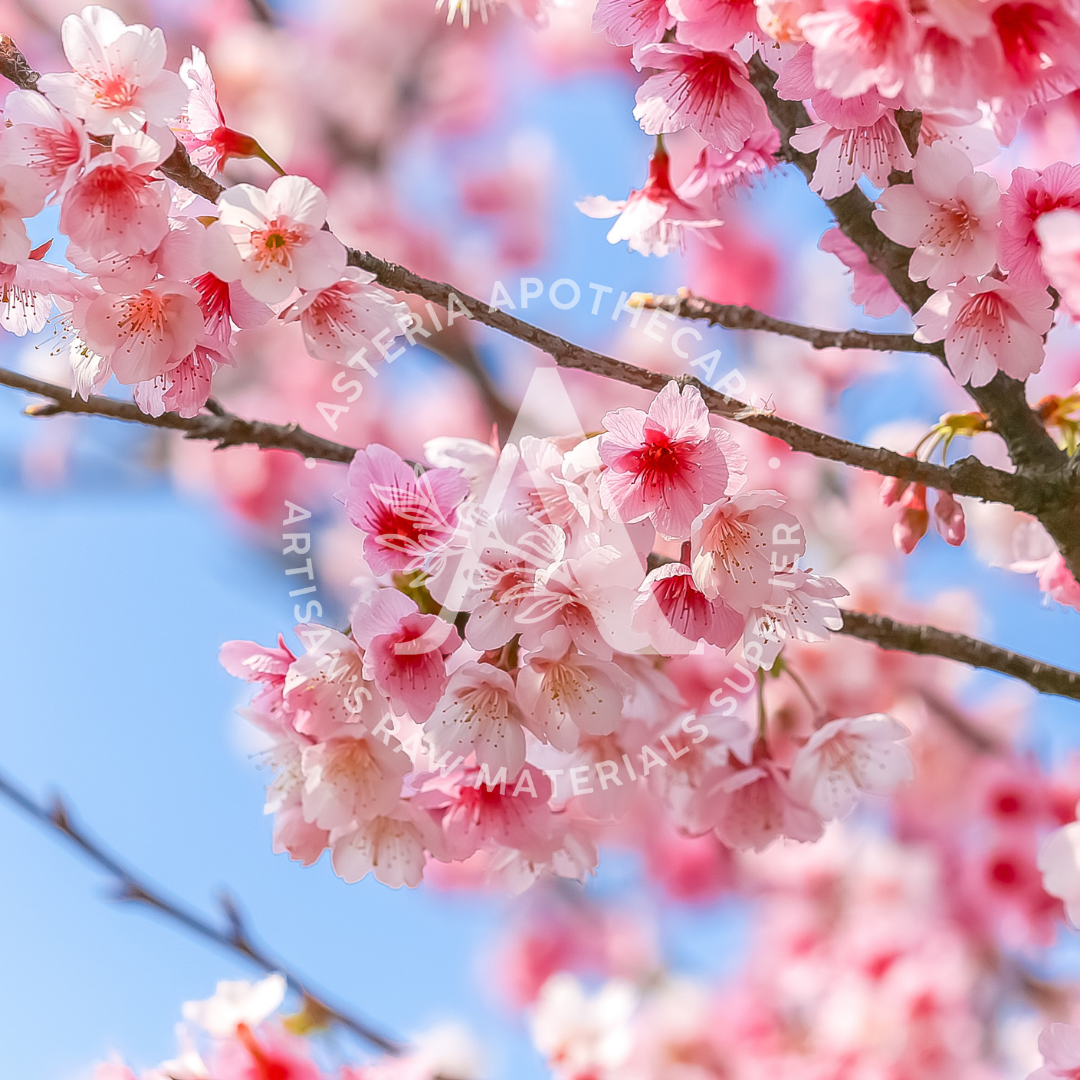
[907, 98]
[165, 279]
[500, 689]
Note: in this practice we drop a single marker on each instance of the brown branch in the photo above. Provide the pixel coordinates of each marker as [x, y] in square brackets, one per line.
[222, 428]
[930, 641]
[1045, 467]
[15, 67]
[967, 477]
[740, 317]
[134, 888]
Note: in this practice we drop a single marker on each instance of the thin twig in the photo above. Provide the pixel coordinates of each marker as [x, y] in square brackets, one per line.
[137, 889]
[740, 317]
[220, 427]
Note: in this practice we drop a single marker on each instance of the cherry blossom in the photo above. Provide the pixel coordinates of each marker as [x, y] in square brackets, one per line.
[406, 519]
[569, 692]
[201, 127]
[664, 465]
[392, 848]
[119, 83]
[43, 139]
[1058, 233]
[987, 326]
[404, 652]
[847, 154]
[480, 713]
[721, 171]
[676, 614]
[949, 215]
[351, 778]
[142, 335]
[1059, 1045]
[713, 25]
[1059, 861]
[861, 46]
[739, 544]
[632, 22]
[844, 757]
[1032, 194]
[708, 92]
[272, 241]
[117, 206]
[654, 219]
[236, 1003]
[346, 317]
[22, 195]
[871, 288]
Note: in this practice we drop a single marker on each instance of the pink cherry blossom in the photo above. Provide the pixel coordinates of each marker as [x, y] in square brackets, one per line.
[1058, 233]
[653, 220]
[709, 92]
[801, 607]
[119, 83]
[236, 1003]
[226, 304]
[273, 241]
[664, 465]
[22, 195]
[404, 651]
[1032, 194]
[346, 317]
[484, 812]
[43, 139]
[183, 389]
[353, 777]
[987, 326]
[739, 544]
[845, 155]
[480, 713]
[676, 614]
[754, 806]
[871, 287]
[146, 334]
[407, 519]
[391, 847]
[913, 519]
[860, 45]
[1059, 861]
[949, 215]
[116, 206]
[713, 25]
[721, 171]
[567, 692]
[1059, 1045]
[844, 757]
[632, 22]
[27, 290]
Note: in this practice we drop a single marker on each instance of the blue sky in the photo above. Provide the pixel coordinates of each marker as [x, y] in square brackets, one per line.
[118, 594]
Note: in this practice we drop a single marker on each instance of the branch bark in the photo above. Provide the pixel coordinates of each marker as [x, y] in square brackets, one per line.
[930, 641]
[1036, 456]
[740, 317]
[134, 888]
[221, 427]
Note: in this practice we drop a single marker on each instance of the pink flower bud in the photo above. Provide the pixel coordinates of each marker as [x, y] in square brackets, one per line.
[914, 519]
[949, 519]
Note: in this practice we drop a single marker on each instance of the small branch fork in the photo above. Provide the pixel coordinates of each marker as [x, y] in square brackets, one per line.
[132, 887]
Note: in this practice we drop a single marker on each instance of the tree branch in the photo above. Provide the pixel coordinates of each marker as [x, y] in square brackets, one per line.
[930, 641]
[967, 477]
[220, 427]
[1034, 453]
[740, 317]
[235, 938]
